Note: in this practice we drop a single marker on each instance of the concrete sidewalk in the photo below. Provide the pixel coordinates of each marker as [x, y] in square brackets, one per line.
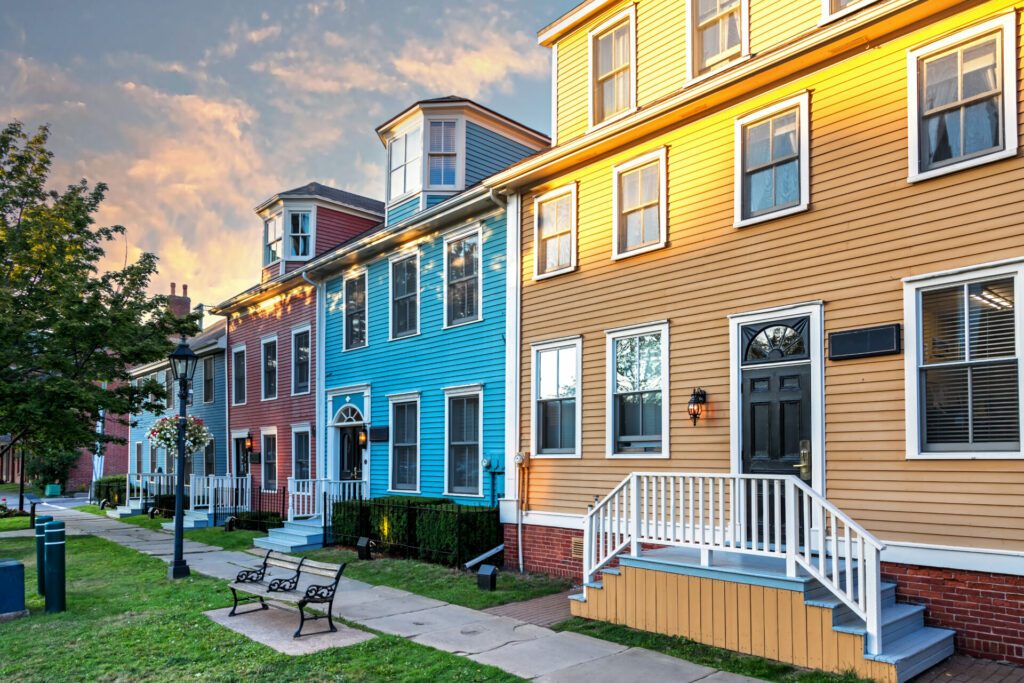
[520, 648]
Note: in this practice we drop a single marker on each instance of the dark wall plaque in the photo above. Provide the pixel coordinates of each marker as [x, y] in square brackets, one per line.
[869, 341]
[378, 434]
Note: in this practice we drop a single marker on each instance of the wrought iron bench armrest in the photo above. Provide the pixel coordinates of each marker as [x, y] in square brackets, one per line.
[254, 575]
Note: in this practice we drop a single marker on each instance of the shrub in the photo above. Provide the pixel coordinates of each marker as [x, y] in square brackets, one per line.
[453, 534]
[390, 521]
[110, 488]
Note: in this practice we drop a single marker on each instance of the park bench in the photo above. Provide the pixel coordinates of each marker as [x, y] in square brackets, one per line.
[256, 585]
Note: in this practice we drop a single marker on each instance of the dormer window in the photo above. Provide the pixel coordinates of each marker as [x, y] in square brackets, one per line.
[272, 240]
[442, 156]
[298, 234]
[405, 152]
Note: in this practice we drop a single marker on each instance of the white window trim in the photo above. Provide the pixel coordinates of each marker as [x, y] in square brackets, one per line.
[803, 104]
[814, 312]
[571, 189]
[828, 16]
[279, 216]
[452, 392]
[460, 154]
[295, 332]
[660, 327]
[1007, 24]
[392, 260]
[661, 155]
[263, 375]
[630, 14]
[454, 236]
[286, 232]
[361, 273]
[691, 44]
[535, 350]
[912, 289]
[404, 130]
[264, 432]
[213, 362]
[393, 399]
[245, 373]
[302, 428]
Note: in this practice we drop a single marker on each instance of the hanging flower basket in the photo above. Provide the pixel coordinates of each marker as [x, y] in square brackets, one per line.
[164, 433]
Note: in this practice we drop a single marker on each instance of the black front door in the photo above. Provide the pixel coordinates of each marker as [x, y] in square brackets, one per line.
[241, 458]
[777, 420]
[349, 454]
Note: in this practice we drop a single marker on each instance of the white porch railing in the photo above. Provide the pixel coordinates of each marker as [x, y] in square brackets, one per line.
[766, 515]
[207, 490]
[141, 485]
[306, 496]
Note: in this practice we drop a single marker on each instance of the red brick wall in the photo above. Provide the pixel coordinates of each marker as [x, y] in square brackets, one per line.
[546, 550]
[986, 610]
[115, 460]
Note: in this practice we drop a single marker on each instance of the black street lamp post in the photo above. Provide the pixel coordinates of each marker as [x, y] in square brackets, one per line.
[183, 368]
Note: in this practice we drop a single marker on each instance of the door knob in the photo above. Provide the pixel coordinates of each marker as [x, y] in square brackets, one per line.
[805, 460]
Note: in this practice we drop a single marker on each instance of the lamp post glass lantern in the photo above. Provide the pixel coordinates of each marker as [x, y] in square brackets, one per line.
[183, 368]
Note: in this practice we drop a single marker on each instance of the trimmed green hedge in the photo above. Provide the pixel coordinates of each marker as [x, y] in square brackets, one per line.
[111, 488]
[454, 534]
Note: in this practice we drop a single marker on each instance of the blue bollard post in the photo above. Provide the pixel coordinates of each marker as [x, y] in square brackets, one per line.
[55, 601]
[41, 521]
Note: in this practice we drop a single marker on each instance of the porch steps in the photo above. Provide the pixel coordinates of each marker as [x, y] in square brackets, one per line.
[194, 519]
[294, 537]
[689, 599]
[133, 509]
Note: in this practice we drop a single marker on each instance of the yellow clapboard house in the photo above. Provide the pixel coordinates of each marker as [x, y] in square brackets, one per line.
[767, 356]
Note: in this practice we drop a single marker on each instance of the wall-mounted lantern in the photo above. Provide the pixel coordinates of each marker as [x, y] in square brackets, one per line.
[248, 443]
[362, 438]
[696, 405]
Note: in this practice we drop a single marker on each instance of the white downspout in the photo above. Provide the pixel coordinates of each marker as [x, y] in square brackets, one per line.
[512, 332]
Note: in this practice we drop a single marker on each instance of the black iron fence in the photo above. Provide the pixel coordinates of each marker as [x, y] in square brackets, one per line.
[431, 529]
[249, 506]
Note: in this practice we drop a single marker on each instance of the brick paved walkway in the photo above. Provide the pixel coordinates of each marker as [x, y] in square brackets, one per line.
[960, 669]
[546, 611]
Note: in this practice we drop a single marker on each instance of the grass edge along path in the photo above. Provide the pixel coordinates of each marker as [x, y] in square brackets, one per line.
[216, 536]
[705, 655]
[127, 621]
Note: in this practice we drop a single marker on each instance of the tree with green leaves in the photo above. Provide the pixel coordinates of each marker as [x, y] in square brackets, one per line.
[69, 331]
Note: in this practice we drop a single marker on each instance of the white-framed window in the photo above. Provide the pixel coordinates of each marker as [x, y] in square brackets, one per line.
[963, 99]
[554, 232]
[963, 356]
[210, 458]
[302, 454]
[639, 204]
[718, 34]
[442, 154]
[169, 388]
[405, 152]
[613, 68]
[238, 383]
[836, 9]
[268, 368]
[272, 240]
[462, 277]
[463, 440]
[268, 459]
[209, 375]
[637, 402]
[404, 293]
[557, 397]
[300, 234]
[137, 461]
[405, 443]
[356, 334]
[772, 162]
[153, 457]
[300, 360]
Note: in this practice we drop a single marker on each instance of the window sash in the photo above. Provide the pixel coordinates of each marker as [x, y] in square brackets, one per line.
[356, 335]
[300, 360]
[404, 446]
[464, 444]
[648, 236]
[301, 455]
[553, 230]
[405, 154]
[404, 297]
[271, 240]
[208, 372]
[557, 439]
[270, 369]
[774, 162]
[463, 291]
[238, 377]
[619, 73]
[721, 18]
[298, 231]
[269, 462]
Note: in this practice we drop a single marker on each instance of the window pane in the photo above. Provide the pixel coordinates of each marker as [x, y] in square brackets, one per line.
[629, 423]
[563, 213]
[649, 183]
[981, 126]
[301, 369]
[787, 183]
[270, 370]
[942, 325]
[651, 230]
[709, 43]
[355, 312]
[706, 9]
[651, 414]
[397, 183]
[784, 141]
[941, 81]
[630, 190]
[397, 149]
[548, 384]
[980, 75]
[238, 376]
[758, 147]
[604, 55]
[567, 371]
[761, 191]
[943, 136]
[442, 136]
[412, 175]
[732, 36]
[995, 410]
[301, 455]
[269, 461]
[946, 419]
[991, 306]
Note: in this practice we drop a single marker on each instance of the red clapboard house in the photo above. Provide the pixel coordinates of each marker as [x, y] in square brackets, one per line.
[271, 339]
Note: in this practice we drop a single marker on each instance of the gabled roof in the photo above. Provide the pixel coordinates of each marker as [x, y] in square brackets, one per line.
[212, 338]
[314, 190]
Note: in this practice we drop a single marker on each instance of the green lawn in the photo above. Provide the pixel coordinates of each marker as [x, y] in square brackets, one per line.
[14, 523]
[698, 653]
[439, 582]
[235, 540]
[127, 621]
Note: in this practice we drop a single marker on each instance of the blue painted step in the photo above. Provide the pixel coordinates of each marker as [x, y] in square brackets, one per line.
[295, 536]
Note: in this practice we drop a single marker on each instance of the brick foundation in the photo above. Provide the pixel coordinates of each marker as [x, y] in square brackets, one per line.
[986, 610]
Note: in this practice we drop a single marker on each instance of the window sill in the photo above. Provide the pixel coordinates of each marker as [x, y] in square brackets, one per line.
[638, 456]
[836, 16]
[238, 405]
[463, 495]
[611, 119]
[556, 456]
[298, 258]
[272, 264]
[462, 323]
[782, 213]
[968, 455]
[961, 166]
[354, 348]
[636, 252]
[301, 393]
[400, 199]
[270, 398]
[711, 73]
[407, 492]
[554, 273]
[412, 335]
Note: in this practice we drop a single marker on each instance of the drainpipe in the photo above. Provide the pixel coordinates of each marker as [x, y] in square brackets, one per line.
[497, 198]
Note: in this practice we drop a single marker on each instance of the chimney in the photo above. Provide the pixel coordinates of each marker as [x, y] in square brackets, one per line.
[179, 305]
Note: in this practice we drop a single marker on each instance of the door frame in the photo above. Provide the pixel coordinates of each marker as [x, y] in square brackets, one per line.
[814, 311]
[330, 468]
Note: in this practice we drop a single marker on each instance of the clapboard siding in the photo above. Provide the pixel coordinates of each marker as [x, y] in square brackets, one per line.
[427, 363]
[399, 212]
[867, 228]
[334, 227]
[488, 152]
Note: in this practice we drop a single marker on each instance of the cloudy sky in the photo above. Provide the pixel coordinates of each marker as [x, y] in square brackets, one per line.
[193, 111]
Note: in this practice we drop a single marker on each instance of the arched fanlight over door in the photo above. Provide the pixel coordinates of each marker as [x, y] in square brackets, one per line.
[778, 341]
[348, 415]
